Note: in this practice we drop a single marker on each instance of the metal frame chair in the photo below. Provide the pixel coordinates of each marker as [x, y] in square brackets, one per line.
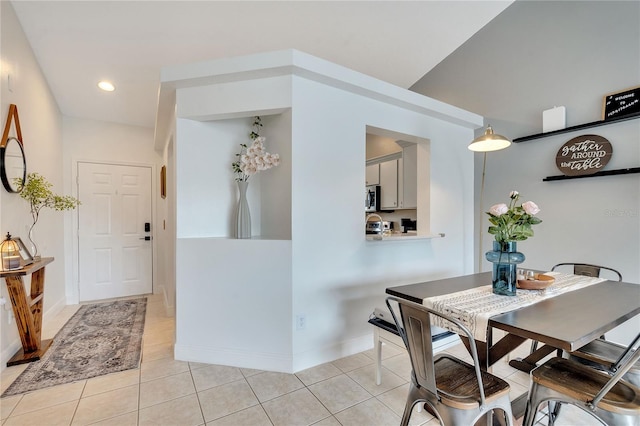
[602, 354]
[607, 357]
[610, 400]
[456, 392]
[588, 269]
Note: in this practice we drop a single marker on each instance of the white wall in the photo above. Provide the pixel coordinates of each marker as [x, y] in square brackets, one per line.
[41, 124]
[338, 276]
[99, 141]
[320, 264]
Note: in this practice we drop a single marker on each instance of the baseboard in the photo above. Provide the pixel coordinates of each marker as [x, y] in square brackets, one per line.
[274, 362]
[10, 351]
[170, 309]
[234, 358]
[314, 357]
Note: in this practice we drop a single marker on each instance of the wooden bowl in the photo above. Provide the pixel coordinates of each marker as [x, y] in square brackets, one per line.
[540, 282]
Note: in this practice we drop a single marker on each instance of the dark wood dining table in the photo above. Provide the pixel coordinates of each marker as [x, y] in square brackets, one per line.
[567, 321]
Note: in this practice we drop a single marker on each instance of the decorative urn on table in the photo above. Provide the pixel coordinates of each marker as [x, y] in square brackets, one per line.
[509, 224]
[251, 160]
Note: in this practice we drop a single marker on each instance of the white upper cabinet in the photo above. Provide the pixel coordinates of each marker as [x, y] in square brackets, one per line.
[373, 174]
[389, 185]
[397, 175]
[408, 185]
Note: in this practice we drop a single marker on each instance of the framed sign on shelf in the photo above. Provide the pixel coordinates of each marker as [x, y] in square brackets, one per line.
[621, 104]
[26, 256]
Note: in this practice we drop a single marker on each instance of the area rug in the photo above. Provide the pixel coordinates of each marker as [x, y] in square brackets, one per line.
[99, 339]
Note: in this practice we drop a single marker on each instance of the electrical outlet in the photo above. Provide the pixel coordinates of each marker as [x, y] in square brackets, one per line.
[301, 322]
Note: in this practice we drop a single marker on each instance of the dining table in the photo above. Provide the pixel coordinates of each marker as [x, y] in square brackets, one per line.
[561, 322]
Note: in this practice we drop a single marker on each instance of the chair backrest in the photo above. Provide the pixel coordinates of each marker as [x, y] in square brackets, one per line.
[415, 331]
[630, 357]
[624, 357]
[588, 269]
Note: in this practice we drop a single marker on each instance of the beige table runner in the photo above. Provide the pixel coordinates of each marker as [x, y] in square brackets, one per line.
[475, 306]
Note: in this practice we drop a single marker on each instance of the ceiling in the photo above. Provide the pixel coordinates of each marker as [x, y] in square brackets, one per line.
[78, 43]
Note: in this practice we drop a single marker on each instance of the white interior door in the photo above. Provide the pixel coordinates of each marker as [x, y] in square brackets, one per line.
[114, 250]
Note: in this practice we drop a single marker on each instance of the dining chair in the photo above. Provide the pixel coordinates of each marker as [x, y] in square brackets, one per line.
[585, 269]
[588, 269]
[454, 391]
[602, 354]
[607, 356]
[609, 399]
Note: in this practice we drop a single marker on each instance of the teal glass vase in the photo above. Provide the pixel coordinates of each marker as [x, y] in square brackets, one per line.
[505, 258]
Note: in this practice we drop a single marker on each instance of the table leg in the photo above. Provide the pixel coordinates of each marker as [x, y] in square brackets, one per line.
[529, 362]
[489, 354]
[27, 311]
[22, 313]
[37, 298]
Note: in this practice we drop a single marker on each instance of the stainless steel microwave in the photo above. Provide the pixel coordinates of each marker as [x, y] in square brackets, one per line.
[372, 198]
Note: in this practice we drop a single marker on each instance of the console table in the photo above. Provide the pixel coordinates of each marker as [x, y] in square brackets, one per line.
[27, 310]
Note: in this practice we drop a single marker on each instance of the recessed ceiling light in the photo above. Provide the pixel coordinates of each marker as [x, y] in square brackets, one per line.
[106, 86]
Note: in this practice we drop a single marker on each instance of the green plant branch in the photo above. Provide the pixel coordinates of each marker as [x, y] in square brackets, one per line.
[37, 192]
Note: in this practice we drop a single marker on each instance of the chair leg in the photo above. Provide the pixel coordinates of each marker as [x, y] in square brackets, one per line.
[406, 414]
[413, 398]
[554, 411]
[531, 408]
[378, 345]
[534, 346]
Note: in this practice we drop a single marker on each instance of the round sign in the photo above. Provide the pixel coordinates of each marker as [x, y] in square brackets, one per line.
[584, 155]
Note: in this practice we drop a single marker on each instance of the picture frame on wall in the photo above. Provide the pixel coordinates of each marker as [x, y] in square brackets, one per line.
[163, 182]
[621, 104]
[26, 256]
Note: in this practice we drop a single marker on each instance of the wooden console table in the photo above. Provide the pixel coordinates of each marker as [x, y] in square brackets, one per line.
[27, 310]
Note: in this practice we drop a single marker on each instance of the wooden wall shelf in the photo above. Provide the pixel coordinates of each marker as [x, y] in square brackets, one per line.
[602, 173]
[27, 310]
[577, 127]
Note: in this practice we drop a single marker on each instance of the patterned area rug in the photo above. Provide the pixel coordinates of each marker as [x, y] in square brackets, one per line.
[99, 339]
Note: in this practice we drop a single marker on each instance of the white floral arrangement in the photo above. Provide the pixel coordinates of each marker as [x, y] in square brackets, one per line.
[253, 159]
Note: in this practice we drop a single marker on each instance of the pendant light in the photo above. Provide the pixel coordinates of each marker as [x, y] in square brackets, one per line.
[489, 142]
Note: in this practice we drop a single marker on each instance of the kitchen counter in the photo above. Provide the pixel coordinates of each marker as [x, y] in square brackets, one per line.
[399, 236]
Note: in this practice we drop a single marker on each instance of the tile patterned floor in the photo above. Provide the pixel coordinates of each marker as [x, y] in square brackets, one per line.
[164, 391]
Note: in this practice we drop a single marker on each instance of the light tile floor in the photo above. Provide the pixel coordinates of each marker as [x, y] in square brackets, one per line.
[164, 391]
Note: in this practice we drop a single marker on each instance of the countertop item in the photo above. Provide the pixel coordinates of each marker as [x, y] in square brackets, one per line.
[378, 227]
[400, 236]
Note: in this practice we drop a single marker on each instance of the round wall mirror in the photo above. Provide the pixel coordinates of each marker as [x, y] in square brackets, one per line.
[13, 164]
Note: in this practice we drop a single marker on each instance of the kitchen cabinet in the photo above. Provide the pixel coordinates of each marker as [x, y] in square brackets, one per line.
[408, 182]
[372, 174]
[397, 177]
[389, 185]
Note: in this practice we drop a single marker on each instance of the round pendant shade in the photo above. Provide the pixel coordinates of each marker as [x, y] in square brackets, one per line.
[489, 142]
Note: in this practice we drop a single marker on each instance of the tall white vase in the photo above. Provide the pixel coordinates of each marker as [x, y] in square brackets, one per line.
[243, 216]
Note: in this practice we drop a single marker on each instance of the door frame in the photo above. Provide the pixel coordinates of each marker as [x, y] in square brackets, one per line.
[73, 285]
